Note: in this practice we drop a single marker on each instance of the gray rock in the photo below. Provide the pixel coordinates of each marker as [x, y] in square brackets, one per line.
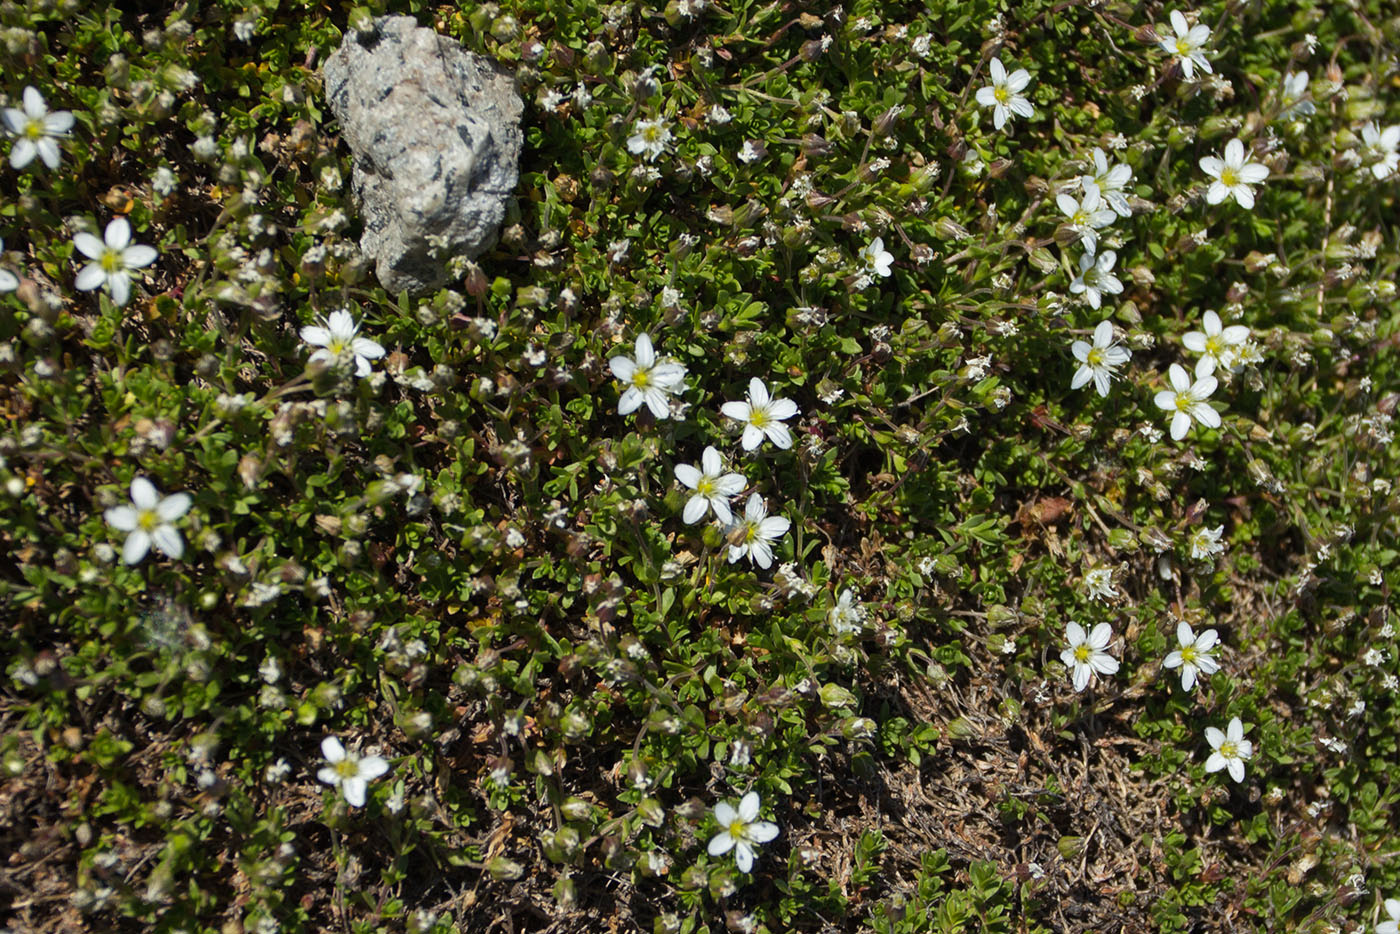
[435, 132]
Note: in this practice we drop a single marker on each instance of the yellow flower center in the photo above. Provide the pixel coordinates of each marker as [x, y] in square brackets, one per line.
[736, 828]
[337, 345]
[641, 379]
[750, 532]
[34, 129]
[705, 488]
[111, 261]
[1002, 95]
[1183, 46]
[758, 418]
[1214, 345]
[1095, 357]
[1183, 402]
[1188, 654]
[1082, 653]
[1229, 750]
[347, 768]
[1229, 178]
[651, 134]
[147, 519]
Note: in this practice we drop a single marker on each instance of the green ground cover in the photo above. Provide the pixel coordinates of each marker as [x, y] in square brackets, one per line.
[425, 634]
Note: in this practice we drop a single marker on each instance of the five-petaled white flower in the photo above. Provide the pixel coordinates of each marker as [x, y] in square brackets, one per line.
[113, 258]
[847, 615]
[1096, 277]
[350, 772]
[1233, 175]
[1291, 100]
[762, 417]
[712, 487]
[753, 534]
[1111, 182]
[1192, 654]
[149, 520]
[1085, 655]
[1186, 400]
[647, 378]
[1098, 584]
[1221, 345]
[1229, 749]
[1098, 360]
[651, 137]
[741, 831]
[37, 129]
[8, 280]
[1188, 44]
[1392, 908]
[338, 336]
[1205, 542]
[1382, 147]
[1004, 94]
[1087, 214]
[875, 258]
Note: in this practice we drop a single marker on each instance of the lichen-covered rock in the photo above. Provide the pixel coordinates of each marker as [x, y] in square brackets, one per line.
[435, 131]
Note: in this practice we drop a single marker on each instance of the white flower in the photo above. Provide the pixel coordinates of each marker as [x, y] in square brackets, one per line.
[1004, 94]
[741, 831]
[1205, 542]
[1392, 908]
[1098, 360]
[1230, 749]
[348, 771]
[749, 153]
[762, 416]
[647, 379]
[875, 258]
[149, 520]
[1291, 102]
[752, 534]
[1192, 655]
[1188, 45]
[37, 130]
[847, 615]
[1085, 655]
[1383, 148]
[338, 336]
[1220, 345]
[1086, 215]
[1098, 584]
[712, 487]
[651, 137]
[1096, 277]
[112, 260]
[8, 281]
[1186, 400]
[1111, 181]
[1233, 175]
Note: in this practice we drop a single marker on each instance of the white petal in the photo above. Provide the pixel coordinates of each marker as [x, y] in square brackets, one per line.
[720, 844]
[753, 437]
[341, 324]
[721, 507]
[631, 401]
[34, 106]
[1101, 636]
[23, 152]
[1184, 635]
[58, 122]
[731, 484]
[710, 460]
[1234, 153]
[778, 433]
[1194, 341]
[758, 393]
[1214, 737]
[1216, 193]
[748, 807]
[998, 70]
[1181, 424]
[48, 152]
[646, 354]
[1016, 81]
[1172, 660]
[1206, 640]
[725, 815]
[315, 335]
[118, 234]
[1081, 376]
[137, 544]
[773, 527]
[762, 831]
[119, 285]
[328, 775]
[754, 510]
[1103, 333]
[1179, 23]
[1188, 677]
[1206, 415]
[656, 401]
[8, 282]
[1236, 770]
[1074, 633]
[354, 789]
[1234, 731]
[173, 506]
[743, 856]
[1101, 382]
[1212, 166]
[695, 508]
[1215, 762]
[736, 410]
[1022, 107]
[688, 475]
[1081, 677]
[371, 767]
[987, 96]
[622, 368]
[168, 540]
[761, 554]
[143, 494]
[782, 409]
[1103, 664]
[332, 750]
[1165, 399]
[364, 347]
[138, 255]
[1244, 197]
[122, 518]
